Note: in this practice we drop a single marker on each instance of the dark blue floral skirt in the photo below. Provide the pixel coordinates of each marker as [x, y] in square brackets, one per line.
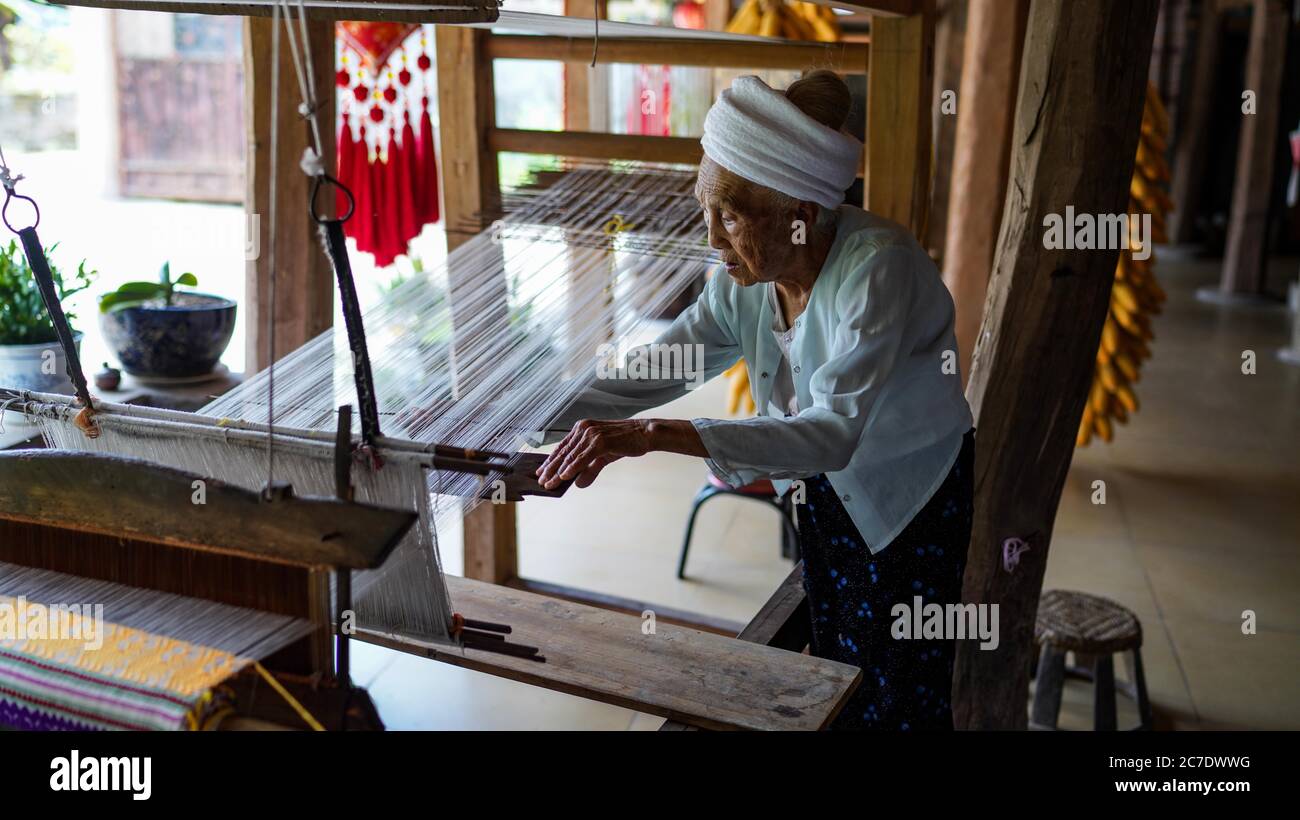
[906, 684]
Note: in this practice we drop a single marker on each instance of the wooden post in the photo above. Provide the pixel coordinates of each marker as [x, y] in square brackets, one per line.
[1192, 134]
[985, 116]
[1246, 255]
[305, 281]
[577, 76]
[466, 105]
[949, 49]
[900, 80]
[1082, 88]
[467, 111]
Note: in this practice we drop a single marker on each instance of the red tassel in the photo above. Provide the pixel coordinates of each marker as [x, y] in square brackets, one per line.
[426, 171]
[390, 244]
[410, 214]
[361, 226]
[346, 148]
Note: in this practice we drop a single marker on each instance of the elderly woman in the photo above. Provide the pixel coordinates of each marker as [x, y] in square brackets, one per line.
[847, 331]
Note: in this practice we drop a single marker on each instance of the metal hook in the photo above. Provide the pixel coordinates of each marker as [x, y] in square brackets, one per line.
[10, 196]
[320, 182]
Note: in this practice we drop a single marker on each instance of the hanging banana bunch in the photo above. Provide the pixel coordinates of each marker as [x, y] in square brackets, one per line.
[791, 20]
[1136, 295]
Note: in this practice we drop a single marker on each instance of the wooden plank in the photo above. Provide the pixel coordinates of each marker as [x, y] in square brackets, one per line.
[629, 606]
[410, 11]
[900, 79]
[1082, 88]
[305, 281]
[990, 80]
[783, 621]
[845, 58]
[1245, 258]
[132, 498]
[679, 673]
[1192, 135]
[590, 145]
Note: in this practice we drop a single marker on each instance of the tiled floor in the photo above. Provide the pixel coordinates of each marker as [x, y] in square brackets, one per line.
[1201, 522]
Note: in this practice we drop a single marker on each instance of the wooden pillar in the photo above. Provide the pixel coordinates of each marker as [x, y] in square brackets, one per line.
[1246, 256]
[900, 79]
[1192, 133]
[466, 105]
[995, 33]
[305, 281]
[577, 76]
[467, 111]
[949, 48]
[1082, 88]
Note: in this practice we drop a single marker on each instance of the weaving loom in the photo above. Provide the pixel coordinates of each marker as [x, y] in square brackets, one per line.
[463, 362]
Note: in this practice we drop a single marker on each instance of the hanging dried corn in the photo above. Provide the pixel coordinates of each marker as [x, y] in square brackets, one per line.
[1136, 295]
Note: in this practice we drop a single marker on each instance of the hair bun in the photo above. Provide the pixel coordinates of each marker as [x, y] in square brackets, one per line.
[822, 95]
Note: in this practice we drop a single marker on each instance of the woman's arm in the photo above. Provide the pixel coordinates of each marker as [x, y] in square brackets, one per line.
[592, 445]
[704, 334]
[867, 345]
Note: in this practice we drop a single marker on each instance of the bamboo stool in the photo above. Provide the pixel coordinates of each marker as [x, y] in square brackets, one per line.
[1094, 629]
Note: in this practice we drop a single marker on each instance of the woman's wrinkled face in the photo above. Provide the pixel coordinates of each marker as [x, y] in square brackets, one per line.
[752, 236]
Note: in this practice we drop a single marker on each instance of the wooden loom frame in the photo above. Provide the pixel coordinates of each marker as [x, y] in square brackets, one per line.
[828, 684]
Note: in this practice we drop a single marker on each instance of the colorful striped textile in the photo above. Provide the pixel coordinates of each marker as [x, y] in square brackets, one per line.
[84, 676]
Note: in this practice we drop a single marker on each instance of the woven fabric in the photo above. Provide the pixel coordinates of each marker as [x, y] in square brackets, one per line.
[134, 680]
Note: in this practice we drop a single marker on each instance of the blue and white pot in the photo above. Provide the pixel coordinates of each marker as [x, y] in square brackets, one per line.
[182, 341]
[40, 367]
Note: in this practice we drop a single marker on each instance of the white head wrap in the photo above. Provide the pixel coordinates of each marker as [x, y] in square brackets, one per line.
[756, 133]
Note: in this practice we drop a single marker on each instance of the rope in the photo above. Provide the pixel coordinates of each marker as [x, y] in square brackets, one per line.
[306, 80]
[289, 699]
[6, 179]
[271, 243]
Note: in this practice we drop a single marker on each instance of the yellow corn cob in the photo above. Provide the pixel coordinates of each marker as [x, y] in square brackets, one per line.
[746, 20]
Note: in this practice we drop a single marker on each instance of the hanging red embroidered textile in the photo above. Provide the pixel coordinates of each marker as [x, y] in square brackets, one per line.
[390, 166]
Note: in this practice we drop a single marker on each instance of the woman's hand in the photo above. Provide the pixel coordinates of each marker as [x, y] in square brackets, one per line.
[589, 447]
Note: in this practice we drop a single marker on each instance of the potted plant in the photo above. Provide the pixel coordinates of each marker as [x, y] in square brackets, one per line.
[30, 355]
[160, 332]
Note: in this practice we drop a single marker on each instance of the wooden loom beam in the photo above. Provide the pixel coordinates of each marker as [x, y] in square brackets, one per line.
[131, 498]
[1082, 89]
[846, 58]
[459, 11]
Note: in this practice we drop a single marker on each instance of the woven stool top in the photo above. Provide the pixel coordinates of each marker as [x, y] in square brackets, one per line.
[1086, 623]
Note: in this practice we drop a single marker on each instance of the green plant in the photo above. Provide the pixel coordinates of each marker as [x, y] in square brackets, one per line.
[23, 320]
[134, 294]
